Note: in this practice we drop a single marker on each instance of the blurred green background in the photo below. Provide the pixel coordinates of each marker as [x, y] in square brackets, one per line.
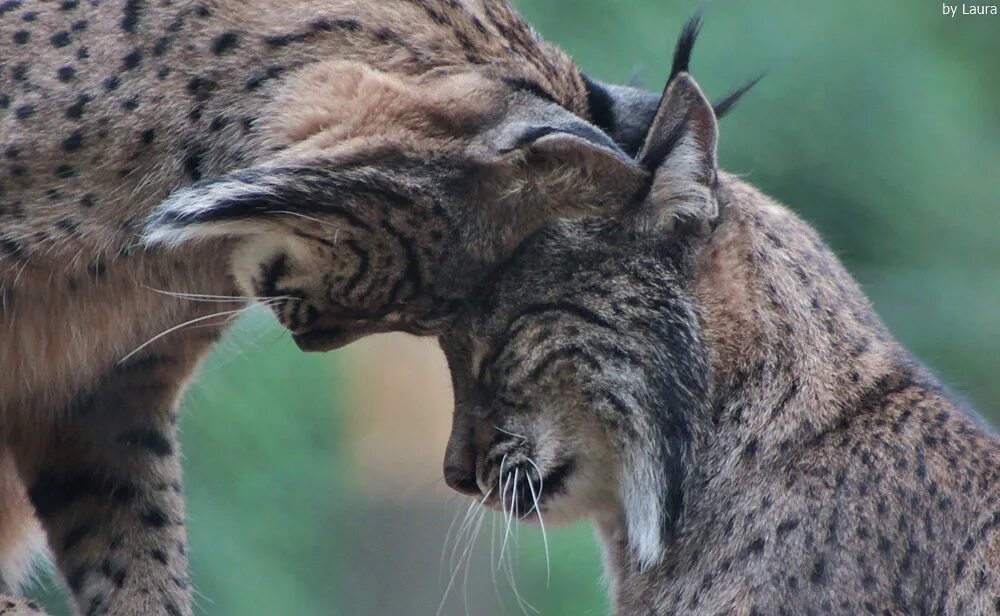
[877, 122]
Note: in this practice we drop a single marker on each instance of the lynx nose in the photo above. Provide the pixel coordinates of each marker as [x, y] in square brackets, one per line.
[461, 479]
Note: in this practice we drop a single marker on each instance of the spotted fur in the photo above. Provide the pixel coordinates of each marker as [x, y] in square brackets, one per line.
[360, 164]
[701, 378]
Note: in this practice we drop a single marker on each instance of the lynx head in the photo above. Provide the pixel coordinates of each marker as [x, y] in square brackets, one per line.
[580, 374]
[391, 195]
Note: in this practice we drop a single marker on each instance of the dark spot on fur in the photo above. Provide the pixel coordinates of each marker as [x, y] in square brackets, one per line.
[818, 573]
[200, 87]
[11, 246]
[74, 142]
[224, 42]
[133, 12]
[755, 547]
[21, 37]
[23, 112]
[124, 493]
[149, 439]
[154, 517]
[148, 136]
[131, 103]
[87, 200]
[192, 162]
[60, 39]
[218, 123]
[66, 73]
[64, 172]
[132, 60]
[112, 83]
[9, 5]
[161, 45]
[70, 226]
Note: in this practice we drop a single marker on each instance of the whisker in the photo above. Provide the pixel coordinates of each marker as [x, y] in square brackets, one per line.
[468, 560]
[522, 437]
[493, 572]
[522, 603]
[508, 515]
[466, 522]
[467, 552]
[444, 546]
[541, 524]
[541, 479]
[201, 297]
[177, 327]
[513, 508]
[316, 220]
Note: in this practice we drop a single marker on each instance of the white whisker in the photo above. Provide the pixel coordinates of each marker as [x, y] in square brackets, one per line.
[508, 432]
[201, 297]
[474, 525]
[466, 523]
[541, 524]
[468, 560]
[444, 546]
[316, 220]
[493, 572]
[507, 515]
[177, 327]
[522, 603]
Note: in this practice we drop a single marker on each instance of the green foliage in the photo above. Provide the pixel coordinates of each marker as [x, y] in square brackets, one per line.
[262, 476]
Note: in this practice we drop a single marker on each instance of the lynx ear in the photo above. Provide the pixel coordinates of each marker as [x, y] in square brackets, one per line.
[574, 161]
[680, 151]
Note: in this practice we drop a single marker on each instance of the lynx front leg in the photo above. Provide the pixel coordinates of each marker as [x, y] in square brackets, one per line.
[107, 488]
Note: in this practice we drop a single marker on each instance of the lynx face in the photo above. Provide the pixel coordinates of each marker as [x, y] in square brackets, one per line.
[391, 196]
[570, 377]
[581, 375]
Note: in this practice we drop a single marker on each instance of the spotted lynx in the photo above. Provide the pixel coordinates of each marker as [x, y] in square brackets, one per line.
[358, 166]
[700, 378]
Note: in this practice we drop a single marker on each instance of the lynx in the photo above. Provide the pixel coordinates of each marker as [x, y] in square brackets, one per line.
[700, 377]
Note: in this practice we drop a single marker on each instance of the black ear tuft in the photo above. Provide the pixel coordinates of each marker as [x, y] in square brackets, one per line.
[682, 52]
[726, 103]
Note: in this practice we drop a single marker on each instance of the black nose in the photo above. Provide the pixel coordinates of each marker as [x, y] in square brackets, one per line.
[461, 480]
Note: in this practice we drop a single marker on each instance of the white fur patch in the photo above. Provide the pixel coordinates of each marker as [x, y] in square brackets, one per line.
[251, 252]
[167, 227]
[20, 562]
[641, 487]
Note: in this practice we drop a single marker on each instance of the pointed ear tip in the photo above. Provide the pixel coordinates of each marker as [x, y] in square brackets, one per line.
[686, 81]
